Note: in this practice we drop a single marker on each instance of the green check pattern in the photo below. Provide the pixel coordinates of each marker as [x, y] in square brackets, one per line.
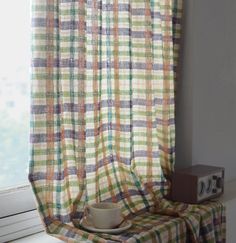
[102, 115]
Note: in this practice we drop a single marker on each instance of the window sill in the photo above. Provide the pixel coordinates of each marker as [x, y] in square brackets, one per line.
[230, 192]
[38, 238]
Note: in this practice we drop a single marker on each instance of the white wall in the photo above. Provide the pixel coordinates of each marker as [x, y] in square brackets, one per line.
[229, 199]
[206, 91]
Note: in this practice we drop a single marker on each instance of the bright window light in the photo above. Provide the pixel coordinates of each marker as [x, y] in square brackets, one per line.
[14, 92]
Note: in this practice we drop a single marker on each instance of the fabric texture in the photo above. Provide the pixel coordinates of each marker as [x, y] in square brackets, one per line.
[102, 116]
[185, 224]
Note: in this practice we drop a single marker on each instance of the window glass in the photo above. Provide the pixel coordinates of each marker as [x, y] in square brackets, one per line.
[14, 92]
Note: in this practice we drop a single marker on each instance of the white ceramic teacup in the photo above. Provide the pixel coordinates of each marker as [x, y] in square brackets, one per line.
[104, 215]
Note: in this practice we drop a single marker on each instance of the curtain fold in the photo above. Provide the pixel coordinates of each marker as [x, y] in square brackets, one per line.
[102, 116]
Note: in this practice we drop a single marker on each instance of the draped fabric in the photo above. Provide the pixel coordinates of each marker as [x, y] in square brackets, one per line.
[102, 116]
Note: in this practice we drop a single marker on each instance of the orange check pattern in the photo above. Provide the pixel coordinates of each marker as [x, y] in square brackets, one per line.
[102, 116]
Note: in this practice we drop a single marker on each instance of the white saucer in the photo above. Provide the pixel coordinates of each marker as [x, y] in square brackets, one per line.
[87, 224]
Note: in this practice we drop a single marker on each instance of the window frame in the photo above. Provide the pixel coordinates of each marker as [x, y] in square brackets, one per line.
[18, 214]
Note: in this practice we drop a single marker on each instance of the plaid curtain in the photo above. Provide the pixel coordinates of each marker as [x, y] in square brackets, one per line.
[102, 116]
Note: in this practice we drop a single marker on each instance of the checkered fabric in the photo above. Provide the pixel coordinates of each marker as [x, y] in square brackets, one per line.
[186, 223]
[102, 116]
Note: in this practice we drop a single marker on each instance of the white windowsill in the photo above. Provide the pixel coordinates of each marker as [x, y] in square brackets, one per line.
[38, 238]
[230, 192]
